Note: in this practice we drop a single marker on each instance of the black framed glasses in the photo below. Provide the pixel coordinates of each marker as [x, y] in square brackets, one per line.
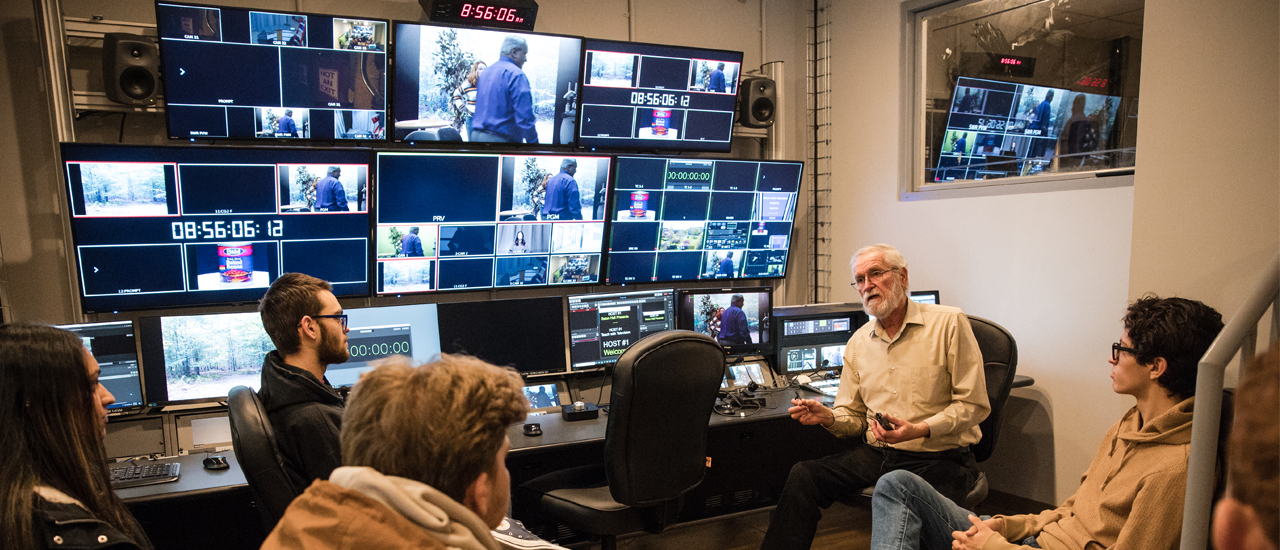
[861, 281]
[342, 318]
[1116, 348]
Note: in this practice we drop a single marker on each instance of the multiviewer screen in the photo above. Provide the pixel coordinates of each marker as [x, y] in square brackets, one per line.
[162, 227]
[239, 73]
[678, 219]
[113, 347]
[456, 221]
[810, 358]
[815, 326]
[602, 326]
[653, 97]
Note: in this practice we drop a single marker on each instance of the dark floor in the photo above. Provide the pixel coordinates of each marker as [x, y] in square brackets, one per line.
[842, 527]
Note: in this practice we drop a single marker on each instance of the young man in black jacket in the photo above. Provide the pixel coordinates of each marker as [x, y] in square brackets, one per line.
[305, 321]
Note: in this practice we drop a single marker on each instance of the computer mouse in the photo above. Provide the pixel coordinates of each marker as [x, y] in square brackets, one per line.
[532, 429]
[216, 462]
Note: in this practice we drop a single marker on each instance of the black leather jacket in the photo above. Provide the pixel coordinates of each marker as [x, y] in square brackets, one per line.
[70, 526]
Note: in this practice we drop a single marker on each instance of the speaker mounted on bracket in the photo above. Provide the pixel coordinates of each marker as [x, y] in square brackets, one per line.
[757, 102]
[130, 69]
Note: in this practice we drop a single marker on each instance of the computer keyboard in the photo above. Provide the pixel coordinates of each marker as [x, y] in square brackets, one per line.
[135, 475]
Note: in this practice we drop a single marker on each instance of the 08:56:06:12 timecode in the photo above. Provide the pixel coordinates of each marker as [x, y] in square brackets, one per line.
[224, 230]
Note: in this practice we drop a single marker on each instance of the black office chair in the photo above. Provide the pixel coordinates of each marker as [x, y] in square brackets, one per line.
[655, 446]
[1000, 363]
[255, 446]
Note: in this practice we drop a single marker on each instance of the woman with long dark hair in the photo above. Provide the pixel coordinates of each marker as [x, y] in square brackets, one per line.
[54, 487]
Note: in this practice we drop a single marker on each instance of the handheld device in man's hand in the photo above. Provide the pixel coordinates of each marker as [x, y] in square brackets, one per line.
[884, 422]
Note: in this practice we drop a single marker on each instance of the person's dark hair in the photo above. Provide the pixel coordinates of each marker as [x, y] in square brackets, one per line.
[440, 423]
[50, 432]
[1253, 455]
[290, 298]
[1177, 329]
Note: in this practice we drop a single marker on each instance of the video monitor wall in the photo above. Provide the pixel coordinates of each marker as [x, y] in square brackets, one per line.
[1001, 129]
[246, 74]
[114, 347]
[738, 318]
[678, 219]
[653, 97]
[602, 326]
[157, 227]
[466, 221]
[454, 84]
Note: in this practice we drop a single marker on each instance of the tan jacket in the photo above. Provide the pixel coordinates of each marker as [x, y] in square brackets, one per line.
[1131, 496]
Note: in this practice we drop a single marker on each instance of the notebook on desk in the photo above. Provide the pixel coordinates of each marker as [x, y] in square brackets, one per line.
[138, 475]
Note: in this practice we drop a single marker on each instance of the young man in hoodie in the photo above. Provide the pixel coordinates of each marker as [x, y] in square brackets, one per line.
[1131, 495]
[424, 452]
[305, 321]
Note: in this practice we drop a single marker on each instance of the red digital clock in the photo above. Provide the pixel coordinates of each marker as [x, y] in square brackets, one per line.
[504, 14]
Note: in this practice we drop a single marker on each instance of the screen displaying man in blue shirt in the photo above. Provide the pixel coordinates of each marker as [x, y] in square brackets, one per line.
[563, 199]
[411, 244]
[504, 104]
[733, 323]
[285, 127]
[330, 195]
[715, 81]
[726, 266]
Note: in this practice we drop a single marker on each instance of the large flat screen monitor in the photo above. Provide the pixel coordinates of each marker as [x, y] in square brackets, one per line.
[199, 358]
[526, 334]
[157, 227]
[264, 74]
[460, 221]
[650, 97]
[1002, 129]
[602, 326]
[456, 84]
[738, 318]
[680, 219]
[114, 347]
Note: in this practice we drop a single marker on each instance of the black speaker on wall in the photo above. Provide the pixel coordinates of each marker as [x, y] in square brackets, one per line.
[130, 69]
[757, 102]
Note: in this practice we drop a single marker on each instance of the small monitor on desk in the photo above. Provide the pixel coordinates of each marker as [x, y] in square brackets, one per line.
[803, 359]
[602, 326]
[742, 328]
[544, 398]
[114, 347]
[925, 297]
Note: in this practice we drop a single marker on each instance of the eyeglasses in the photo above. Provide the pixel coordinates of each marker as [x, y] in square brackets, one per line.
[1116, 348]
[341, 318]
[860, 281]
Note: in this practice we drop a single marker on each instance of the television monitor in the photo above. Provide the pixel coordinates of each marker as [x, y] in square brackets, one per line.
[527, 334]
[468, 221]
[158, 227]
[1002, 129]
[602, 326]
[114, 347]
[680, 219]
[925, 297]
[239, 73]
[741, 375]
[704, 310]
[544, 398]
[650, 97]
[809, 358]
[528, 97]
[199, 358]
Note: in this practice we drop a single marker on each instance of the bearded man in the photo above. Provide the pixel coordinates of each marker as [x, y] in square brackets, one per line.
[306, 323]
[918, 367]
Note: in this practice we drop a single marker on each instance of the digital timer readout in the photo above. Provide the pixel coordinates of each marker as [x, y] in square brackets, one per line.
[485, 12]
[378, 344]
[689, 174]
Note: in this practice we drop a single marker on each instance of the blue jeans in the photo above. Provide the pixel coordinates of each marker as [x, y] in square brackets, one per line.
[908, 513]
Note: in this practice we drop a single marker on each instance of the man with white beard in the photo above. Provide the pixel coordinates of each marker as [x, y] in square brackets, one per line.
[916, 366]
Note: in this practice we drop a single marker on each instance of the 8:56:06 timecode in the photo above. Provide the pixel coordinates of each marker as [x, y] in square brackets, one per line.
[224, 230]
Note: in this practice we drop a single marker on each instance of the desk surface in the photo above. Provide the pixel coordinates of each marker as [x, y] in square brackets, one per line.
[193, 480]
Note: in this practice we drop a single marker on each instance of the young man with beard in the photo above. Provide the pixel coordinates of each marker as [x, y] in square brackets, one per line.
[305, 321]
[916, 365]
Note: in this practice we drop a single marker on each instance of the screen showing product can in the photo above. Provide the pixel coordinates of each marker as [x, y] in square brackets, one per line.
[653, 97]
[679, 219]
[255, 74]
[458, 84]
[157, 227]
[460, 221]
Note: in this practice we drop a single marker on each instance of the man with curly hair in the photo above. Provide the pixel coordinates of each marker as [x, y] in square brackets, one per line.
[1248, 517]
[1131, 495]
[424, 454]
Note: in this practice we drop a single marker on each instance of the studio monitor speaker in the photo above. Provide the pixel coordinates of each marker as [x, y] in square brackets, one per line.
[130, 69]
[757, 102]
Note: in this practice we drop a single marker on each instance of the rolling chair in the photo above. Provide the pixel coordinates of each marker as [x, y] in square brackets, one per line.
[664, 387]
[1000, 362]
[254, 443]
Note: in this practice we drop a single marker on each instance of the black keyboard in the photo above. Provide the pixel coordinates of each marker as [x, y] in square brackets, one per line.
[135, 475]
